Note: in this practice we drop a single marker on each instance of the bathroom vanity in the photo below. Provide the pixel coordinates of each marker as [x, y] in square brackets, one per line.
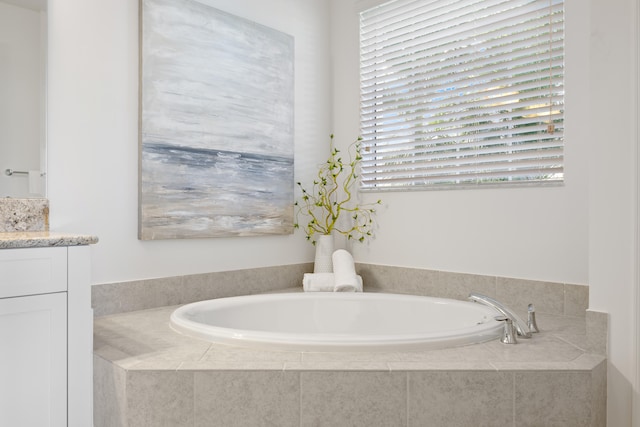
[46, 326]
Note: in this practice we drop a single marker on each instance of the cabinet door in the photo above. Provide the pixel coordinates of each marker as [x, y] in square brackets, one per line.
[33, 361]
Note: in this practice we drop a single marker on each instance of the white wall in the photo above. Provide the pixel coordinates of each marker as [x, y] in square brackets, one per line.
[580, 233]
[21, 96]
[613, 189]
[93, 135]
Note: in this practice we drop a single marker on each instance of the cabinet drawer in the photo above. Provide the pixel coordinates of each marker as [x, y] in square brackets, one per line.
[32, 271]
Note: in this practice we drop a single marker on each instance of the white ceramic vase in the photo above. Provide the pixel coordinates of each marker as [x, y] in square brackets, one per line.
[324, 252]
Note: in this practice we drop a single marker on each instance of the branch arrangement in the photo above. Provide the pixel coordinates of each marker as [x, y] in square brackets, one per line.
[332, 196]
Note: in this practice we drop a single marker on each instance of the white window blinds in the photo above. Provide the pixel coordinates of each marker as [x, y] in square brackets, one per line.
[458, 93]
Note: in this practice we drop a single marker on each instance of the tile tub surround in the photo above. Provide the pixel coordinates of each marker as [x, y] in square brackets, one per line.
[548, 297]
[23, 215]
[517, 294]
[144, 294]
[145, 374]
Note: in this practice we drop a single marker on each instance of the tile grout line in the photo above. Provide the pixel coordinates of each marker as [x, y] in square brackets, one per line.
[571, 344]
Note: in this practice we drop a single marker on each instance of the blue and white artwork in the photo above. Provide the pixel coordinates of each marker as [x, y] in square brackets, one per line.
[216, 124]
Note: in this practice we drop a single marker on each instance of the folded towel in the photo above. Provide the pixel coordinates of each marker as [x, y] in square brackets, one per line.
[325, 282]
[344, 270]
[318, 282]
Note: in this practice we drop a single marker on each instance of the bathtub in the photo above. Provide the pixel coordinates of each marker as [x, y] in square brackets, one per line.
[338, 322]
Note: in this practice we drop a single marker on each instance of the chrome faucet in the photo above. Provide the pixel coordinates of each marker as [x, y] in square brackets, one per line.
[531, 319]
[508, 332]
[520, 325]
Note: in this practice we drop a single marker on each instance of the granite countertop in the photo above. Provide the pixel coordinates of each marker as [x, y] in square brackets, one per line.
[43, 239]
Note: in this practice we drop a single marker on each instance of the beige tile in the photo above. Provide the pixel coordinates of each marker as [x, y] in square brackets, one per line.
[588, 362]
[124, 360]
[540, 348]
[441, 365]
[136, 295]
[467, 353]
[423, 282]
[569, 329]
[200, 287]
[516, 366]
[345, 356]
[280, 277]
[154, 365]
[597, 326]
[337, 365]
[459, 285]
[232, 365]
[144, 336]
[247, 399]
[560, 325]
[579, 340]
[584, 363]
[553, 399]
[123, 297]
[576, 300]
[599, 395]
[222, 284]
[398, 279]
[159, 399]
[109, 398]
[353, 399]
[228, 353]
[517, 294]
[460, 398]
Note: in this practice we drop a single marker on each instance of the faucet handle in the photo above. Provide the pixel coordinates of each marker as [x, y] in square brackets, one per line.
[531, 319]
[509, 333]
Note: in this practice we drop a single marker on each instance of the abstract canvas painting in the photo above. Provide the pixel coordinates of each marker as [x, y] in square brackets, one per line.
[216, 124]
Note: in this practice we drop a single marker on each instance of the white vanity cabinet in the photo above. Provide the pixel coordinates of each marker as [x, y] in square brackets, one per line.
[46, 326]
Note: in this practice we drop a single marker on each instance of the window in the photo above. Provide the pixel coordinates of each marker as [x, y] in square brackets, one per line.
[461, 93]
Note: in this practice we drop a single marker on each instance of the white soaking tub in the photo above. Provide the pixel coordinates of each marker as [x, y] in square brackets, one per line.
[338, 322]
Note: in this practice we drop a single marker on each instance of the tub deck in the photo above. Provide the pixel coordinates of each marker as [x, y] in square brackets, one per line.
[146, 374]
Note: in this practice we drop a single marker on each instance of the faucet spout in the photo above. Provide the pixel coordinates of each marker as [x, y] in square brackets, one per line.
[520, 325]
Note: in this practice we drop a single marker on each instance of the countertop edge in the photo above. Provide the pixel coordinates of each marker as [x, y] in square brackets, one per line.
[44, 239]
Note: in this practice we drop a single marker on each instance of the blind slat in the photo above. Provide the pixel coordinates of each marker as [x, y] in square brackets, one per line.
[479, 160]
[548, 165]
[444, 149]
[487, 95]
[467, 91]
[418, 125]
[385, 47]
[443, 67]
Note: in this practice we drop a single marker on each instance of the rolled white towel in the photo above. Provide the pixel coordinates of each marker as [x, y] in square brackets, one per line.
[349, 287]
[326, 282]
[318, 282]
[344, 270]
